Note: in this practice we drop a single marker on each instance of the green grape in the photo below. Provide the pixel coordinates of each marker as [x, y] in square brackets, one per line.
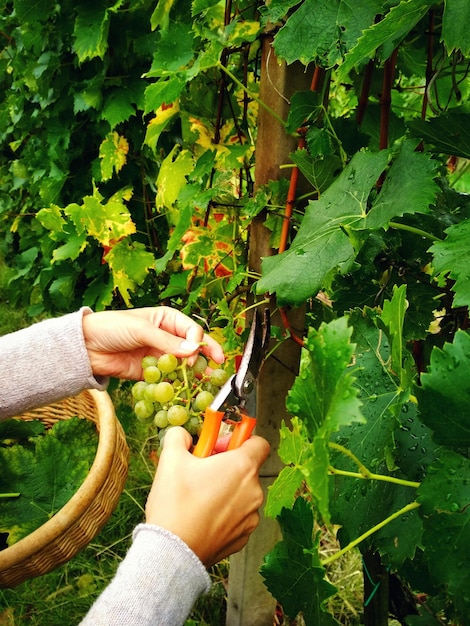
[208, 386]
[149, 360]
[163, 392]
[194, 425]
[163, 399]
[149, 393]
[218, 377]
[138, 390]
[143, 410]
[178, 415]
[189, 374]
[152, 374]
[200, 365]
[167, 363]
[161, 419]
[203, 400]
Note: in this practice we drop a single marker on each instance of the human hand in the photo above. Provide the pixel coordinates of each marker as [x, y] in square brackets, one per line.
[210, 503]
[117, 341]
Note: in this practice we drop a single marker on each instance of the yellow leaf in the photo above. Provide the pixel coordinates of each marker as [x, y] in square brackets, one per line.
[172, 177]
[205, 137]
[113, 154]
[157, 125]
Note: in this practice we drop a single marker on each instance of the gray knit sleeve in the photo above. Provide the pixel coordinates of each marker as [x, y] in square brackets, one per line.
[158, 582]
[43, 363]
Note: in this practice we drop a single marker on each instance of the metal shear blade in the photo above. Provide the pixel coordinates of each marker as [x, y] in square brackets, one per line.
[236, 401]
[239, 392]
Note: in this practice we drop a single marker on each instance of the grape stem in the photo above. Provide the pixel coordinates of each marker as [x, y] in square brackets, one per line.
[371, 531]
[186, 387]
[364, 472]
[372, 476]
[252, 306]
[185, 374]
[9, 495]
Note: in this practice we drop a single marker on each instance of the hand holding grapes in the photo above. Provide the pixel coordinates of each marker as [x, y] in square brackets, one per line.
[211, 504]
[117, 341]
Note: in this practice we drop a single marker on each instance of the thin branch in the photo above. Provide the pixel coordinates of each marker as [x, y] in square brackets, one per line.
[371, 531]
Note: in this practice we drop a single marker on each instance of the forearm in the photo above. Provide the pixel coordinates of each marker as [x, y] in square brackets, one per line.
[44, 363]
[157, 583]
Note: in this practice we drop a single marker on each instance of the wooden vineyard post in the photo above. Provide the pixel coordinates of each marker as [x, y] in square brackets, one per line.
[249, 602]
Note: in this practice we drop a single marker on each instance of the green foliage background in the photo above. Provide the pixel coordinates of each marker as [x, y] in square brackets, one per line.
[128, 135]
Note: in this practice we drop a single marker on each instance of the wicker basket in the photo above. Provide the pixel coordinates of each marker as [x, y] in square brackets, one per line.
[79, 521]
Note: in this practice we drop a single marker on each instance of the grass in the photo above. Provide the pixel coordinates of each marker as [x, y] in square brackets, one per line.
[11, 318]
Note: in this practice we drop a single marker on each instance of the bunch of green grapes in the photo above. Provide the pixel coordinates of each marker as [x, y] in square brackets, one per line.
[174, 394]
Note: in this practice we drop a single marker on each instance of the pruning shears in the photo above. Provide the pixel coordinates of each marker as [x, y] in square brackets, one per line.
[235, 404]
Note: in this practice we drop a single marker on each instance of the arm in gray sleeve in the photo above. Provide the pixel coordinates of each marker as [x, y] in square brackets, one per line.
[43, 363]
[158, 582]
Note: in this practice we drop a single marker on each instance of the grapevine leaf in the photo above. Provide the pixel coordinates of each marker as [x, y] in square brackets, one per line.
[282, 492]
[163, 116]
[239, 31]
[177, 284]
[455, 32]
[293, 442]
[107, 222]
[322, 31]
[61, 290]
[174, 242]
[450, 259]
[323, 395]
[20, 429]
[91, 31]
[276, 10]
[172, 176]
[302, 588]
[445, 496]
[198, 6]
[393, 316]
[73, 246]
[320, 173]
[444, 394]
[161, 14]
[52, 218]
[174, 50]
[408, 188]
[118, 107]
[447, 538]
[130, 263]
[324, 398]
[30, 12]
[88, 96]
[322, 244]
[446, 487]
[364, 503]
[46, 477]
[293, 450]
[396, 24]
[305, 106]
[113, 154]
[163, 92]
[447, 134]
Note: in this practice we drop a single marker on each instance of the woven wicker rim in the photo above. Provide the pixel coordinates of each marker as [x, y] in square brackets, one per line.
[83, 497]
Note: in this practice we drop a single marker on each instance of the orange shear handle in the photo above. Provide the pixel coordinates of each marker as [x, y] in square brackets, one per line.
[210, 432]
